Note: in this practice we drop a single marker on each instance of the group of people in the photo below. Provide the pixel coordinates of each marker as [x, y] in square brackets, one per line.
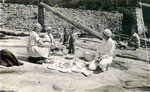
[68, 40]
[35, 43]
[103, 57]
[104, 53]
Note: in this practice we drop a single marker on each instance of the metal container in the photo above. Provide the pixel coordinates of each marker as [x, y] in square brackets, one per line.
[88, 56]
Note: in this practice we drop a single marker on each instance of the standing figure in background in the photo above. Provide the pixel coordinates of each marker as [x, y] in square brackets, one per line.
[105, 50]
[65, 37]
[34, 44]
[134, 40]
[72, 39]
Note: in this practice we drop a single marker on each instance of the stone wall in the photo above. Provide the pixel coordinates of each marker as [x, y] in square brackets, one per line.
[129, 19]
[132, 20]
[140, 21]
[21, 18]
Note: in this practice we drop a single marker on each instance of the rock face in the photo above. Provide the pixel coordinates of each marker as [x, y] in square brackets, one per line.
[21, 18]
[17, 17]
[132, 20]
[140, 21]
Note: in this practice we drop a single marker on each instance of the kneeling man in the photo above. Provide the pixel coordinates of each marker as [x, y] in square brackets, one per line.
[105, 50]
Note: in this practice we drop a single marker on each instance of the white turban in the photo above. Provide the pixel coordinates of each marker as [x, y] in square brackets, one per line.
[107, 32]
[48, 28]
[37, 25]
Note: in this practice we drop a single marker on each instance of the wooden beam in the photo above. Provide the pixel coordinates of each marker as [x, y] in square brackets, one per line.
[41, 17]
[144, 4]
[78, 25]
[13, 33]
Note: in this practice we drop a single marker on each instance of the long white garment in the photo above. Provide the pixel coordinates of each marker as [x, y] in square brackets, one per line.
[49, 39]
[106, 49]
[32, 44]
[44, 51]
[34, 49]
[105, 52]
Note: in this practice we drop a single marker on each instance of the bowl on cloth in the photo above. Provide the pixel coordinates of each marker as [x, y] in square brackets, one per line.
[76, 69]
[52, 67]
[64, 70]
[69, 57]
[89, 56]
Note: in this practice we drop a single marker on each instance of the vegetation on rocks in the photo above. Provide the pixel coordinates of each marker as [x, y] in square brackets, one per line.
[21, 18]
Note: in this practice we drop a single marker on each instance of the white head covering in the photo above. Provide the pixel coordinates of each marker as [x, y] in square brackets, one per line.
[48, 28]
[107, 32]
[37, 25]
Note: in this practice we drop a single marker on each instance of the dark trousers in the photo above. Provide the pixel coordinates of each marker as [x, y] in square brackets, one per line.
[71, 45]
[66, 36]
[35, 59]
[133, 44]
[71, 48]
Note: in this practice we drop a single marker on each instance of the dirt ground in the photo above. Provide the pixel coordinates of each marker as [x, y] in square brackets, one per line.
[129, 72]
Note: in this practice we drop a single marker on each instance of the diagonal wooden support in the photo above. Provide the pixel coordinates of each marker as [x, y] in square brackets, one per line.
[78, 25]
[144, 4]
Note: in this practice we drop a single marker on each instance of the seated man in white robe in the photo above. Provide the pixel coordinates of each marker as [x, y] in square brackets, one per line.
[105, 50]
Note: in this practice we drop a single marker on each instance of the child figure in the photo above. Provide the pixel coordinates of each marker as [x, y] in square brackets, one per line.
[72, 38]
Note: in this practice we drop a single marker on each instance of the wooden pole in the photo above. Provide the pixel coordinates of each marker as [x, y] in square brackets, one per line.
[78, 25]
[144, 4]
[41, 17]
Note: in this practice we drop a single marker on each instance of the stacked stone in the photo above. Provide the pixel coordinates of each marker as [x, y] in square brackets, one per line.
[21, 18]
[18, 17]
[97, 20]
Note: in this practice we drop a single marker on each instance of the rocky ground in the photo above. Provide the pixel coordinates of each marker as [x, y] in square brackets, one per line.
[129, 72]
[21, 18]
[124, 74]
